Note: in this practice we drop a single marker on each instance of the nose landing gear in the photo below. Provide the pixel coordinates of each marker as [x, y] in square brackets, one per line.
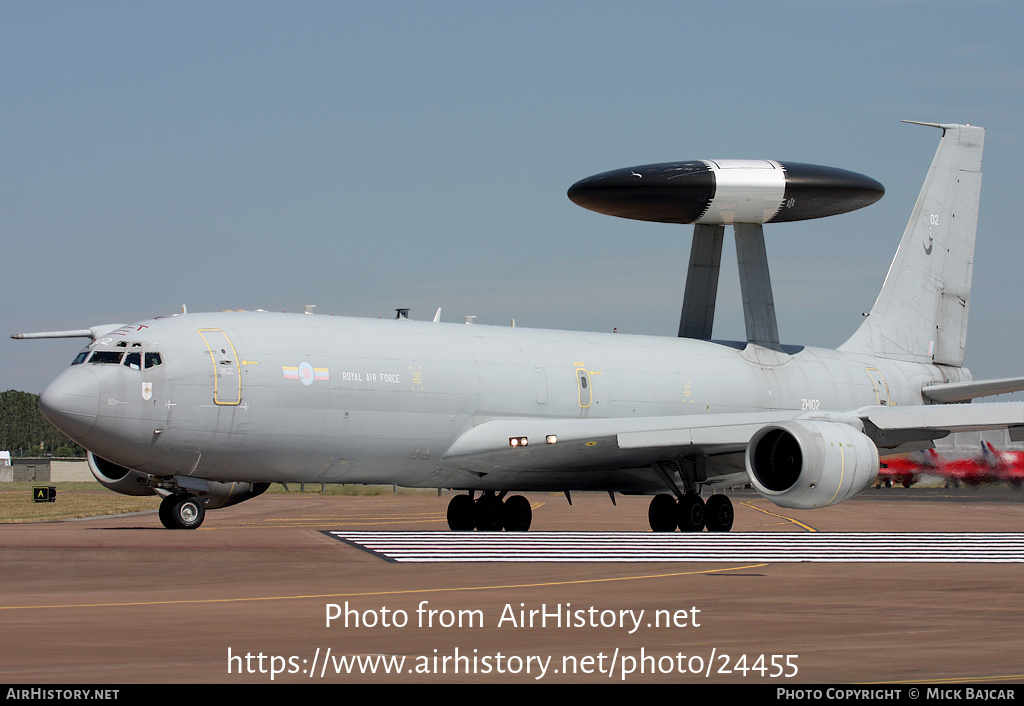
[182, 511]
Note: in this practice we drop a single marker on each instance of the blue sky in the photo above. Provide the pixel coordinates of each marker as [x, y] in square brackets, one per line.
[367, 156]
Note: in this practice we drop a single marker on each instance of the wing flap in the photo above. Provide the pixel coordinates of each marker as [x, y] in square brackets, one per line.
[725, 433]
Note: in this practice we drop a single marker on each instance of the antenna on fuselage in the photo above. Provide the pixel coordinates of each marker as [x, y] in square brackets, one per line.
[401, 313]
[712, 194]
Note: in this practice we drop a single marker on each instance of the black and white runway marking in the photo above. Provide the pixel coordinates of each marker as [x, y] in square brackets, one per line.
[641, 547]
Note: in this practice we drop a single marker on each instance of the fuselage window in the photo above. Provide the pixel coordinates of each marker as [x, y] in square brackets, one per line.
[133, 361]
[153, 360]
[109, 357]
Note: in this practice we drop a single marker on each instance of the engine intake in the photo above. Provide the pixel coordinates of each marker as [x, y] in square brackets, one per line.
[806, 464]
[118, 478]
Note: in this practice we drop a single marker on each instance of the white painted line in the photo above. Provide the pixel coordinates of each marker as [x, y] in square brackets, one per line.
[649, 547]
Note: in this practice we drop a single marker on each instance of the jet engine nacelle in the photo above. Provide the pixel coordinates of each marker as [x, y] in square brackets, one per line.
[806, 464]
[225, 494]
[130, 482]
[118, 478]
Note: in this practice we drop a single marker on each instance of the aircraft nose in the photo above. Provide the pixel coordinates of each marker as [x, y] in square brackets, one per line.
[71, 402]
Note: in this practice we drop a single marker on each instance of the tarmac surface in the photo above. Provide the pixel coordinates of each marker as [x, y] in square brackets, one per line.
[247, 599]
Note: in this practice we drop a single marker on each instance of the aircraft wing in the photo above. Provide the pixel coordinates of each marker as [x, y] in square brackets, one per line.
[593, 444]
[93, 333]
[601, 443]
[889, 427]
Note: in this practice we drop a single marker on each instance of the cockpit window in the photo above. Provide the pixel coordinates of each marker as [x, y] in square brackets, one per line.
[131, 360]
[110, 357]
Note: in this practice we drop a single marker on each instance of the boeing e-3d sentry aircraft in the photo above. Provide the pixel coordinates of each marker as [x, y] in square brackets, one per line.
[208, 409]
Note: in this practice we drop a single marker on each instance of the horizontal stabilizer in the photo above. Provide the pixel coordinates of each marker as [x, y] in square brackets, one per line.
[963, 391]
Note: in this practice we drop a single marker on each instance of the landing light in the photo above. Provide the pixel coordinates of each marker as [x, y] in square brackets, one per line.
[551, 439]
[515, 441]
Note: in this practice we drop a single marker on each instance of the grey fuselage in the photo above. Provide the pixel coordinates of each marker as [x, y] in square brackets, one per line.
[265, 397]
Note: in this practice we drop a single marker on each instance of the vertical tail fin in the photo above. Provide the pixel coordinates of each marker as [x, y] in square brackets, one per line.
[921, 313]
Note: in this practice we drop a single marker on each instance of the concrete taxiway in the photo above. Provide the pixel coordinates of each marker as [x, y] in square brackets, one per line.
[247, 597]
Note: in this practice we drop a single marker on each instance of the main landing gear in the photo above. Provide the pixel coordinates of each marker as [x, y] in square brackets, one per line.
[690, 513]
[490, 513]
[182, 511]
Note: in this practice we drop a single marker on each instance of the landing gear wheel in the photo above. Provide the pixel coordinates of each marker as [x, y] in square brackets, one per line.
[718, 513]
[662, 513]
[460, 513]
[516, 514]
[487, 511]
[690, 515]
[165, 512]
[182, 511]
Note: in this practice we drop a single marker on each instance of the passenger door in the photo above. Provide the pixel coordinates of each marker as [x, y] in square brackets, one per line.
[227, 378]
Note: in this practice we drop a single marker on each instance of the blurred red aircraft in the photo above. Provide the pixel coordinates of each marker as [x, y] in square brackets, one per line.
[1008, 466]
[992, 466]
[907, 470]
[971, 470]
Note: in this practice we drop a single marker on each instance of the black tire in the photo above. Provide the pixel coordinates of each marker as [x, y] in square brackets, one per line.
[690, 515]
[183, 511]
[662, 513]
[165, 512]
[516, 514]
[718, 513]
[487, 513]
[460, 513]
